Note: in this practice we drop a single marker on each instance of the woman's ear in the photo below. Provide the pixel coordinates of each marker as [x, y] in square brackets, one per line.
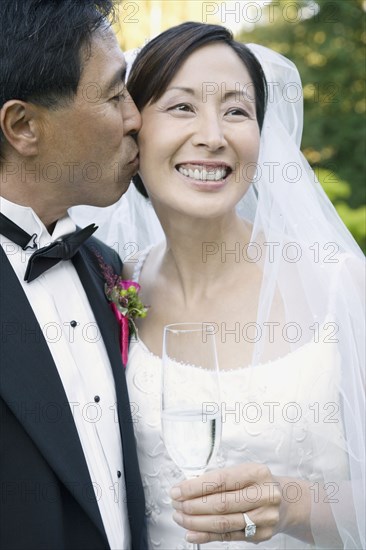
[20, 125]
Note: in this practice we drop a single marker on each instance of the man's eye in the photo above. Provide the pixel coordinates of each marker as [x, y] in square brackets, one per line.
[118, 97]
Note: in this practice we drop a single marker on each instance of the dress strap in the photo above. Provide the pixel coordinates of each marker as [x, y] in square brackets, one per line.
[140, 263]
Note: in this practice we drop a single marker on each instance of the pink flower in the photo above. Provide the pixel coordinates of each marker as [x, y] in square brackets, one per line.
[125, 285]
[125, 303]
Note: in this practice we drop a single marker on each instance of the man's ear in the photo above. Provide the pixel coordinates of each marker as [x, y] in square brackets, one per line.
[20, 125]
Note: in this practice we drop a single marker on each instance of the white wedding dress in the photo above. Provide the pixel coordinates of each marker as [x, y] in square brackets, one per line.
[284, 413]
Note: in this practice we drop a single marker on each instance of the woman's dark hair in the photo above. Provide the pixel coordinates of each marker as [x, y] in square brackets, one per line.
[43, 44]
[159, 60]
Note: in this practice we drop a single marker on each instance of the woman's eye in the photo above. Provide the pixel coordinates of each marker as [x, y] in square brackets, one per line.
[181, 107]
[237, 112]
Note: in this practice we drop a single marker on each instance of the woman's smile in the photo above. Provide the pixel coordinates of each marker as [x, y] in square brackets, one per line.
[204, 176]
[204, 171]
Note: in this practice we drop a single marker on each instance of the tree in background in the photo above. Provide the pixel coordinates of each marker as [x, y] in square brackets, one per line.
[325, 39]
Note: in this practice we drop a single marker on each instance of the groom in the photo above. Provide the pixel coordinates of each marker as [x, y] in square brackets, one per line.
[69, 475]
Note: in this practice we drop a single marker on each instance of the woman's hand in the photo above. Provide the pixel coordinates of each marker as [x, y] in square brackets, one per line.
[211, 507]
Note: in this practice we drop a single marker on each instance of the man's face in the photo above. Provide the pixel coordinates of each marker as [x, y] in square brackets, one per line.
[88, 144]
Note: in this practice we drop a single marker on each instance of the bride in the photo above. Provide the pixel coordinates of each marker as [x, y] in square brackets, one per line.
[254, 247]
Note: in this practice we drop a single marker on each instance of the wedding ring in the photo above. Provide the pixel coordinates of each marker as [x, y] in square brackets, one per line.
[250, 526]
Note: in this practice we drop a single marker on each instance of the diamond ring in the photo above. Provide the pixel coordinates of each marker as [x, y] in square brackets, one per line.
[250, 526]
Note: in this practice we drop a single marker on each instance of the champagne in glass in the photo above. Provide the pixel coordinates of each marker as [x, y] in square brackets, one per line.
[191, 415]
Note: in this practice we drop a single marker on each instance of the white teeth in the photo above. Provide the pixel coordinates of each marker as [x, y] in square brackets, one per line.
[201, 173]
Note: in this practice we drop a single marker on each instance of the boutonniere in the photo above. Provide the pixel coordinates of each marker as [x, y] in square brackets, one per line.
[125, 303]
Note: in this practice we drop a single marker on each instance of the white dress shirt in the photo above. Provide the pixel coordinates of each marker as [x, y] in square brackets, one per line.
[67, 322]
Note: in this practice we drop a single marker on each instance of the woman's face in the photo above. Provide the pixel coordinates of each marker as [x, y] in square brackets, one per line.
[199, 142]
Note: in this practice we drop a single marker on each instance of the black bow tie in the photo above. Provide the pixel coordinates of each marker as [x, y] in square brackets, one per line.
[48, 256]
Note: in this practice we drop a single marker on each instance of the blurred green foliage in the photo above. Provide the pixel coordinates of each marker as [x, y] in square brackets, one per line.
[326, 39]
[339, 192]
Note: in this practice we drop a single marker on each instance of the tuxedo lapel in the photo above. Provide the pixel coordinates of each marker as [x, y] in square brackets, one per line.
[31, 387]
[93, 283]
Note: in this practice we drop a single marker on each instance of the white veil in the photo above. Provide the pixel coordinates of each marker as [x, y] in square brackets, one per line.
[319, 270]
[309, 257]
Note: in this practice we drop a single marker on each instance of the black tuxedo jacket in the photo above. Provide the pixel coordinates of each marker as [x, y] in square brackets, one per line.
[47, 500]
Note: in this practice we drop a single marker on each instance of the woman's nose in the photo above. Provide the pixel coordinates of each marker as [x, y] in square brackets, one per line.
[209, 133]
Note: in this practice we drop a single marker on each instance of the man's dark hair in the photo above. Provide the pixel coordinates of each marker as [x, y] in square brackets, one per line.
[43, 44]
[161, 58]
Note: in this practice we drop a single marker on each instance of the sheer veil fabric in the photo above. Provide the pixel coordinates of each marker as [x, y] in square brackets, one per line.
[312, 290]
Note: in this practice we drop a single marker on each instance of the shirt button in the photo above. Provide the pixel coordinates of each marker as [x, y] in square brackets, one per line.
[73, 324]
[97, 398]
[118, 473]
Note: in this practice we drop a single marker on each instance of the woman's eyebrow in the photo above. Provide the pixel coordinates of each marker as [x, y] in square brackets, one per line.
[182, 89]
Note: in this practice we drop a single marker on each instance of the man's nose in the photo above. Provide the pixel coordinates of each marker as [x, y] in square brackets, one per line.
[131, 116]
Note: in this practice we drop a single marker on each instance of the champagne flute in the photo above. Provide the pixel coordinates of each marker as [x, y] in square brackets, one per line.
[190, 404]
